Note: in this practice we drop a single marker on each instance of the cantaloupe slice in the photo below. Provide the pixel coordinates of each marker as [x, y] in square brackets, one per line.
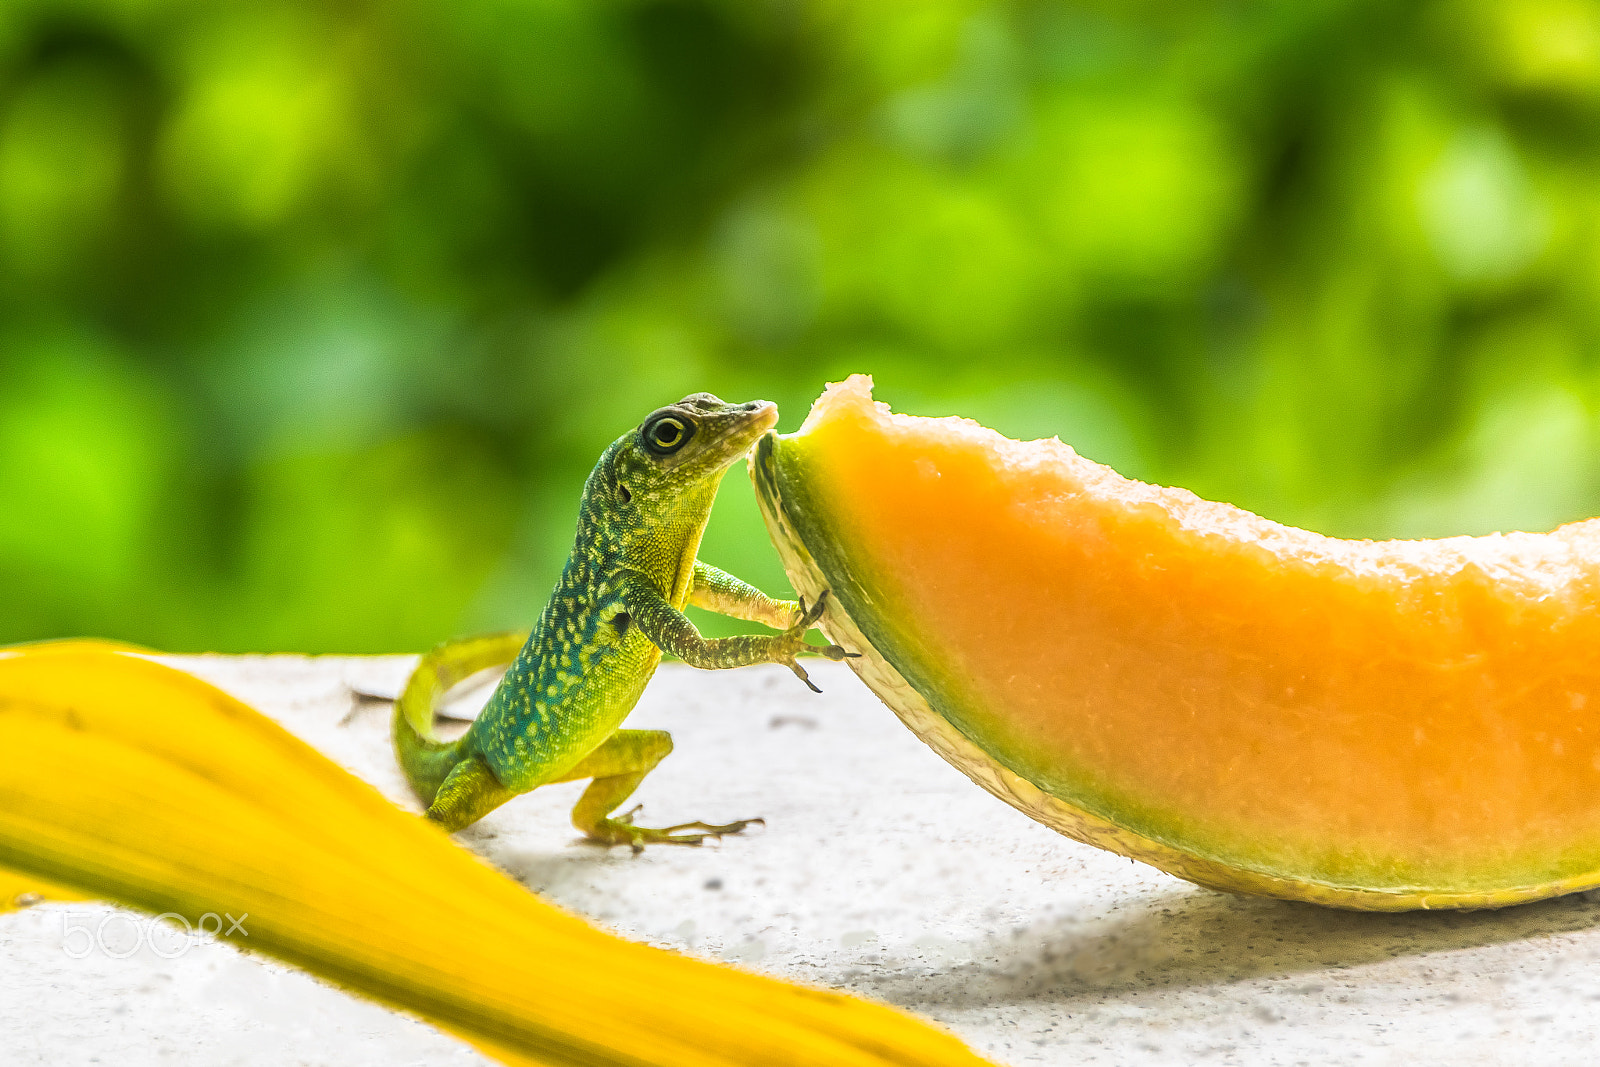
[1379, 725]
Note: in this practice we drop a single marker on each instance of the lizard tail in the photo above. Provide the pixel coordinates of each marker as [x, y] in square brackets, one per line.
[426, 760]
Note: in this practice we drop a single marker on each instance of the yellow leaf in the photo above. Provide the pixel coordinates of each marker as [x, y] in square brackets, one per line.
[128, 780]
[21, 891]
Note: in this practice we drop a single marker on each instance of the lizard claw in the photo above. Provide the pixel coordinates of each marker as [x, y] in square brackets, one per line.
[808, 617]
[800, 673]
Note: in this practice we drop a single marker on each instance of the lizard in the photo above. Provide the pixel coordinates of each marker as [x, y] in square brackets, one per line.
[556, 715]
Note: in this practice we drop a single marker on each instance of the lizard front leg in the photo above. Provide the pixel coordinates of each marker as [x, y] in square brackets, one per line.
[671, 631]
[617, 767]
[717, 590]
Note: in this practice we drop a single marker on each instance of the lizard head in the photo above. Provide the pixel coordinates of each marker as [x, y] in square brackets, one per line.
[684, 449]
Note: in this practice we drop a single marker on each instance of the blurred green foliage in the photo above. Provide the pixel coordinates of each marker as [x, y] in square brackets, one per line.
[313, 315]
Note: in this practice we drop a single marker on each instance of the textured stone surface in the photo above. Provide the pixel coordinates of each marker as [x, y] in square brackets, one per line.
[882, 870]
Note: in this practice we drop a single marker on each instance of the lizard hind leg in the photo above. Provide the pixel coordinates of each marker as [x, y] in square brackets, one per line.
[617, 767]
[469, 792]
[426, 760]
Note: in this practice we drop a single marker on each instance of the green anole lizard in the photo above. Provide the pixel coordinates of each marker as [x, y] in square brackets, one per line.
[555, 717]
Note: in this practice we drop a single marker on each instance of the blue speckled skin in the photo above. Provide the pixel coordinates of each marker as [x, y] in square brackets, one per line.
[580, 674]
[619, 603]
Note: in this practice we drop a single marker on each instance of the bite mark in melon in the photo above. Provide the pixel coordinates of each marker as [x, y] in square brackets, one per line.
[1382, 725]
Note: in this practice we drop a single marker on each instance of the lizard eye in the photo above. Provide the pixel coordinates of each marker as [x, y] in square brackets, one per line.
[666, 434]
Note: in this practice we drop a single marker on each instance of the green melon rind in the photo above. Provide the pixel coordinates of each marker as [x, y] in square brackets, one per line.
[794, 532]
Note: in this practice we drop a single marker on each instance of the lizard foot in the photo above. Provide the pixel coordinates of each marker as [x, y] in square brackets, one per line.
[794, 640]
[620, 830]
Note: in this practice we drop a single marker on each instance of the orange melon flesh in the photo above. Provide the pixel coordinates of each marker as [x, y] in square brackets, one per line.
[1388, 725]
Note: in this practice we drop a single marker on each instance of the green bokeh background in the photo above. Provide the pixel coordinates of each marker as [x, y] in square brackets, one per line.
[313, 316]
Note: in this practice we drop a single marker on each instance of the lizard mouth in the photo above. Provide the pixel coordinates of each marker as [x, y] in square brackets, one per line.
[763, 417]
[759, 416]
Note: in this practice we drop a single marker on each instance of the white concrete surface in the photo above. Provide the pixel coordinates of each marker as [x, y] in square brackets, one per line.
[882, 871]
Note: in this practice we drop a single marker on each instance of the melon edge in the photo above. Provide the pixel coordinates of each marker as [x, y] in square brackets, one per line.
[934, 730]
